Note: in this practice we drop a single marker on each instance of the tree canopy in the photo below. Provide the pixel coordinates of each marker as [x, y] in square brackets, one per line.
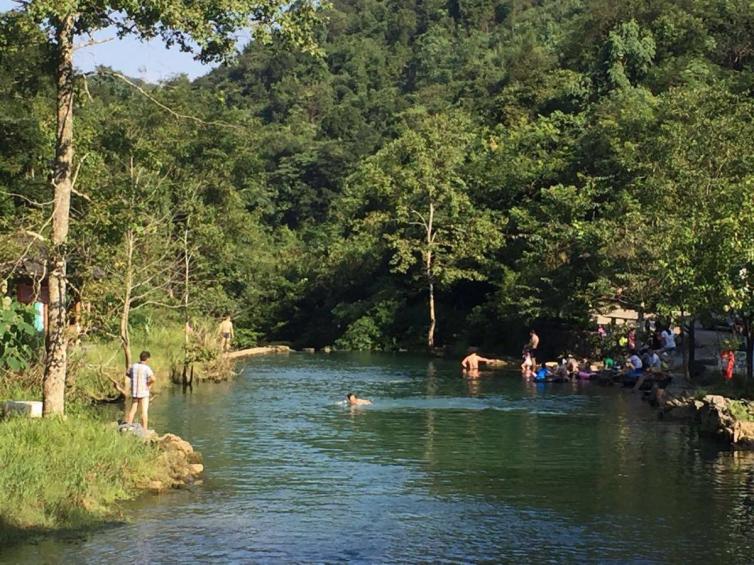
[572, 153]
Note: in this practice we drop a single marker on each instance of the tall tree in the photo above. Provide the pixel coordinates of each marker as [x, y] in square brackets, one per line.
[413, 191]
[206, 27]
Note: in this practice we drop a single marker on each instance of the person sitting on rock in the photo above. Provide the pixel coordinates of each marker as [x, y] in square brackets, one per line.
[634, 367]
[651, 361]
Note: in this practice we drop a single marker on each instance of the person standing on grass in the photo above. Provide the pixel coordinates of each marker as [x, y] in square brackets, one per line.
[226, 333]
[142, 378]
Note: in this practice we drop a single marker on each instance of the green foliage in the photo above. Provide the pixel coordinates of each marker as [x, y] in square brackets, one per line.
[628, 54]
[67, 473]
[18, 336]
[372, 331]
[573, 154]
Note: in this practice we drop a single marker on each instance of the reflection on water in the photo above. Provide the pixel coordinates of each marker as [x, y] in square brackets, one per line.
[439, 468]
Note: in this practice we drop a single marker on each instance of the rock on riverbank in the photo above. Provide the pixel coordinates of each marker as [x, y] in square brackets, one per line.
[254, 351]
[717, 416]
[183, 465]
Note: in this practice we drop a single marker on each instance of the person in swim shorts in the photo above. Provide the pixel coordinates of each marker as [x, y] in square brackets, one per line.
[226, 333]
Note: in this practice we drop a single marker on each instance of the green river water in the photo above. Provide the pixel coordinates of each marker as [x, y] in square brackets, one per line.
[439, 469]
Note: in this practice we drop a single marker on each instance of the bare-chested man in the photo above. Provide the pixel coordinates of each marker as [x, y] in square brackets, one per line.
[354, 400]
[226, 333]
[472, 360]
[532, 347]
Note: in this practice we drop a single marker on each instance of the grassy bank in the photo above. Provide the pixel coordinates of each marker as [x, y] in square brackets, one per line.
[94, 363]
[58, 473]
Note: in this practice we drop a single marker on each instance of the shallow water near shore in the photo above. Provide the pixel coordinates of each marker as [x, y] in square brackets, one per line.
[438, 469]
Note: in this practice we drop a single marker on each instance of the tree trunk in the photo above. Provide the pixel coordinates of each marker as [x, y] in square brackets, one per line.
[56, 355]
[125, 315]
[432, 321]
[691, 348]
[186, 326]
[430, 278]
[749, 350]
[125, 336]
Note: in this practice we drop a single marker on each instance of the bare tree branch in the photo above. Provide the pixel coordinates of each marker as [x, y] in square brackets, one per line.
[165, 107]
[29, 200]
[76, 176]
[91, 42]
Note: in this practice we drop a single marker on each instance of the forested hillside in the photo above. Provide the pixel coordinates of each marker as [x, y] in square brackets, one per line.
[517, 161]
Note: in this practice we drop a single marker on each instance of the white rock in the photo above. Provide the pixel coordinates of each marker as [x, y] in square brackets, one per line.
[28, 408]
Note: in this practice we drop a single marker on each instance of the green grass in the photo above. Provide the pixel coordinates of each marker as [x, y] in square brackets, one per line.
[94, 361]
[736, 388]
[66, 473]
[57, 473]
[740, 411]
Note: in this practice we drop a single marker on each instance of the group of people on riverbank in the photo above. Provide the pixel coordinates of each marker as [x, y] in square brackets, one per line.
[638, 360]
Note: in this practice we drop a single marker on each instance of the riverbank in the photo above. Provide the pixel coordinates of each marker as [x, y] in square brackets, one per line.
[725, 419]
[69, 473]
[256, 351]
[57, 474]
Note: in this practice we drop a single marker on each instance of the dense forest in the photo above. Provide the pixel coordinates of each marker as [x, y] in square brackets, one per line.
[436, 172]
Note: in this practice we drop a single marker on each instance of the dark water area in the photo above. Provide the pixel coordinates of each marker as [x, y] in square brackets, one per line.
[439, 469]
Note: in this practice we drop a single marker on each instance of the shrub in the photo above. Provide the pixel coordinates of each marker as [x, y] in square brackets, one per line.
[18, 336]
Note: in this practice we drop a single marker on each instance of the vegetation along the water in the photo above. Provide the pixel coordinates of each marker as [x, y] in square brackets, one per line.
[368, 175]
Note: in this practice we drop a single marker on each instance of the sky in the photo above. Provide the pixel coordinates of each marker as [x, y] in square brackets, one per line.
[150, 61]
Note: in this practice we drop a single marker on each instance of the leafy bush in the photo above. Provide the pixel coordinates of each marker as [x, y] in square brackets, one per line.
[246, 338]
[372, 331]
[361, 335]
[18, 336]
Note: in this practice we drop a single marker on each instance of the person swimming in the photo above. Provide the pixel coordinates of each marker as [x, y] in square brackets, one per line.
[354, 400]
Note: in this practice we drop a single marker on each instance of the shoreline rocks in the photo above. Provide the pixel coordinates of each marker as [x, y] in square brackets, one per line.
[181, 464]
[252, 351]
[725, 419]
[184, 465]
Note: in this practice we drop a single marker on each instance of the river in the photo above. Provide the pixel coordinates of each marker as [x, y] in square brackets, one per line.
[439, 469]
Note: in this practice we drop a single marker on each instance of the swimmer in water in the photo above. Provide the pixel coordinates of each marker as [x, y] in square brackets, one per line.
[472, 360]
[354, 400]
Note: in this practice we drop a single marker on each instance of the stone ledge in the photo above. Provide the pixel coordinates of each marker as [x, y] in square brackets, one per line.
[28, 408]
[716, 416]
[253, 351]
